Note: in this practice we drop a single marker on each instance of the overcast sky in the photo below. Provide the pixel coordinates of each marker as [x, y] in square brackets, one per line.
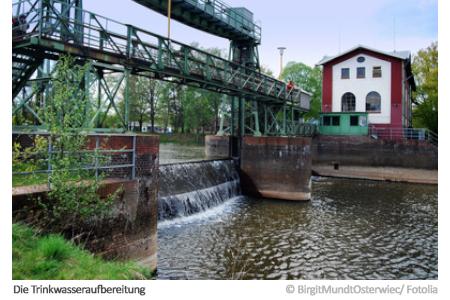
[309, 29]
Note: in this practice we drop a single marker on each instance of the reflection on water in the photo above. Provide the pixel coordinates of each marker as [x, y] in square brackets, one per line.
[174, 153]
[349, 230]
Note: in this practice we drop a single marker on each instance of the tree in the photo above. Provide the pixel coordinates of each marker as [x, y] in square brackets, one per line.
[143, 96]
[189, 109]
[425, 70]
[310, 80]
[73, 198]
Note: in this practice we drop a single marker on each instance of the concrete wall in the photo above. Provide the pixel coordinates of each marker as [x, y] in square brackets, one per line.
[131, 230]
[276, 167]
[364, 151]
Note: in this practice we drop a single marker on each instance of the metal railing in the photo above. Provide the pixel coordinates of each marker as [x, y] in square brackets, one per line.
[232, 16]
[102, 161]
[400, 133]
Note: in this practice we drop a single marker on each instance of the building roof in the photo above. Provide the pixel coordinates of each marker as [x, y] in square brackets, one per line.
[404, 55]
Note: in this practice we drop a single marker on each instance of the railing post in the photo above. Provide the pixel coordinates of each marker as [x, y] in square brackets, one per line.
[266, 126]
[129, 40]
[133, 168]
[160, 54]
[49, 164]
[41, 18]
[97, 146]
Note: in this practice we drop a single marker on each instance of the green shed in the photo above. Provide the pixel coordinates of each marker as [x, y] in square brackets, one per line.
[344, 123]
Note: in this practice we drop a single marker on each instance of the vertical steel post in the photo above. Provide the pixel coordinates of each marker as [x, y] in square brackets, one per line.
[133, 168]
[126, 98]
[129, 40]
[241, 117]
[41, 18]
[87, 95]
[160, 54]
[99, 97]
[222, 114]
[79, 21]
[49, 163]
[257, 132]
[233, 116]
[97, 146]
[284, 120]
[266, 125]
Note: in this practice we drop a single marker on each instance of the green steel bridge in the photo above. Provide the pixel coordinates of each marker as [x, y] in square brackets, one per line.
[51, 28]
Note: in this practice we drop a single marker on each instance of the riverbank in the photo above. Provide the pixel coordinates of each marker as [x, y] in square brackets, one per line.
[51, 257]
[377, 173]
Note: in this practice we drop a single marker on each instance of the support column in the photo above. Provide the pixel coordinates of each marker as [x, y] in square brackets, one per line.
[255, 112]
[126, 99]
[233, 116]
[276, 167]
[241, 117]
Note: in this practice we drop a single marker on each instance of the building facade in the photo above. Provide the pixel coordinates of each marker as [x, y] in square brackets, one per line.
[366, 80]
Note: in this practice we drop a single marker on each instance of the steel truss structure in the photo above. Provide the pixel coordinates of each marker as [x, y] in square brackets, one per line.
[57, 27]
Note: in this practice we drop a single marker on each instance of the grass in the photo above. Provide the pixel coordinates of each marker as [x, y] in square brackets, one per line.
[21, 180]
[51, 257]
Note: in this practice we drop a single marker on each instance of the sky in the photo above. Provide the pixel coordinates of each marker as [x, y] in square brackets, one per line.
[309, 29]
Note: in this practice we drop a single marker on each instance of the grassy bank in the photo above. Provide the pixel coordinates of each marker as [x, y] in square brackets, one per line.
[52, 257]
[21, 180]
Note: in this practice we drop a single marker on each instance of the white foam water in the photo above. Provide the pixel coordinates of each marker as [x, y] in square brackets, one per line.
[192, 188]
[214, 214]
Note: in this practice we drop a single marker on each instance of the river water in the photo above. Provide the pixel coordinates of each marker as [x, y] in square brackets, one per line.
[351, 229]
[170, 153]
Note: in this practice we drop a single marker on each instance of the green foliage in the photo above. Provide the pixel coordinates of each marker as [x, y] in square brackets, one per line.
[309, 79]
[30, 159]
[143, 99]
[425, 70]
[53, 258]
[188, 109]
[73, 197]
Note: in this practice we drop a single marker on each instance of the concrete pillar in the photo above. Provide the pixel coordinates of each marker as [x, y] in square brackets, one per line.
[276, 167]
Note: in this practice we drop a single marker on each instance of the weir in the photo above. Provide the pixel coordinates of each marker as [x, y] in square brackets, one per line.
[189, 188]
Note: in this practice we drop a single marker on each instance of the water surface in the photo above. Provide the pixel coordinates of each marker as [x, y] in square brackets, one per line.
[170, 153]
[350, 230]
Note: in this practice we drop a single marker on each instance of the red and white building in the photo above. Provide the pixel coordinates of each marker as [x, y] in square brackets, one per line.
[363, 79]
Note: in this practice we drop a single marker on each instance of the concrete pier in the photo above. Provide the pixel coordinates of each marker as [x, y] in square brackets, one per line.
[276, 167]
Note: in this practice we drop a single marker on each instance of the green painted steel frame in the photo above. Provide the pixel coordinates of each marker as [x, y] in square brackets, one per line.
[62, 27]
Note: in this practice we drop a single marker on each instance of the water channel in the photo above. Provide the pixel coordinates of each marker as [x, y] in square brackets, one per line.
[351, 229]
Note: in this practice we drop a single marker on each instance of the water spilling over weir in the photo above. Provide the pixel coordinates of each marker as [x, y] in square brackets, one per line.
[193, 187]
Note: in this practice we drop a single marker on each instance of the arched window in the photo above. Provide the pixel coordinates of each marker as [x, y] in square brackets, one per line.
[348, 102]
[373, 102]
